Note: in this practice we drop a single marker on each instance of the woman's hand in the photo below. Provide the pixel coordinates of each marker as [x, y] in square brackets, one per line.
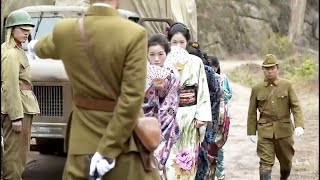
[198, 123]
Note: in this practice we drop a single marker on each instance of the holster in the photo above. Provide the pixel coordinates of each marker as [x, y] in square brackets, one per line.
[148, 159]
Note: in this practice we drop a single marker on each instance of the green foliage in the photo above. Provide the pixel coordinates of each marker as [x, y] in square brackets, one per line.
[306, 69]
[299, 69]
[278, 45]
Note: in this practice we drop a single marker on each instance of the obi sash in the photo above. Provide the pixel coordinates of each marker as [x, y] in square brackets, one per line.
[188, 96]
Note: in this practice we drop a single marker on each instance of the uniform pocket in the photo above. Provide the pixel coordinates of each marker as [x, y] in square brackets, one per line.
[262, 97]
[262, 121]
[25, 65]
[282, 95]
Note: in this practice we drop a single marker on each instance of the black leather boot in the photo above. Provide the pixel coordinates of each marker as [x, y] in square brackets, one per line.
[265, 174]
[284, 174]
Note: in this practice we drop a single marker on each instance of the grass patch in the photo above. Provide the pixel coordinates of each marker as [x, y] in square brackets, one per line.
[247, 74]
[301, 70]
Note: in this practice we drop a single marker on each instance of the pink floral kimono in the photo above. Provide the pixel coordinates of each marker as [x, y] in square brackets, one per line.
[162, 101]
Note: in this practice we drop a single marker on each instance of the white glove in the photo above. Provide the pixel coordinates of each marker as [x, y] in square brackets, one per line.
[253, 138]
[298, 131]
[31, 51]
[99, 163]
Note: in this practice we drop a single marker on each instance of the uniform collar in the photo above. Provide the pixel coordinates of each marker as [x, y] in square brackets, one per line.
[98, 10]
[18, 47]
[275, 82]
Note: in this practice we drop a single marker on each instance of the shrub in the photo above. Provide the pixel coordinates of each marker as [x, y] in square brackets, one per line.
[299, 69]
[278, 45]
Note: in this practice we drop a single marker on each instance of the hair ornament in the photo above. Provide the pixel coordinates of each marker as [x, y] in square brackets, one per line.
[168, 28]
[195, 45]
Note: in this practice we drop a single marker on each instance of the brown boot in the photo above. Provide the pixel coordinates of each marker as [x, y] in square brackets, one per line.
[265, 174]
[284, 174]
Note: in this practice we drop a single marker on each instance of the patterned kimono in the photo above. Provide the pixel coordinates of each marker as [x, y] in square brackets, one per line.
[182, 162]
[227, 95]
[215, 90]
[163, 104]
[224, 120]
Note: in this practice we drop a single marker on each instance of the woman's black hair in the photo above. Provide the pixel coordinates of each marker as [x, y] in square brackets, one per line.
[214, 61]
[194, 49]
[178, 28]
[159, 39]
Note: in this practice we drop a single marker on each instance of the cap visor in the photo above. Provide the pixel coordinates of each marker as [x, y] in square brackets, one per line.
[26, 27]
[268, 65]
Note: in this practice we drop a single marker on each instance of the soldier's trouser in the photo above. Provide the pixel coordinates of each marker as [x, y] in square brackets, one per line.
[281, 148]
[16, 147]
[128, 167]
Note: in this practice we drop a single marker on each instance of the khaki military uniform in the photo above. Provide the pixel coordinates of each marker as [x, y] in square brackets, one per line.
[17, 102]
[120, 47]
[274, 126]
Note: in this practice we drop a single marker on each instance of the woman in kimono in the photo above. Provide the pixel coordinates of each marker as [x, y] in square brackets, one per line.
[206, 162]
[162, 98]
[227, 95]
[194, 106]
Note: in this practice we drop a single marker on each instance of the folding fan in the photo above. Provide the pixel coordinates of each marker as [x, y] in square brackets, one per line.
[156, 75]
[177, 58]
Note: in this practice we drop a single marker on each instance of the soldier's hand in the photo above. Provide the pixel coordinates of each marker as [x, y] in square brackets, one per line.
[253, 138]
[31, 51]
[17, 125]
[100, 164]
[298, 131]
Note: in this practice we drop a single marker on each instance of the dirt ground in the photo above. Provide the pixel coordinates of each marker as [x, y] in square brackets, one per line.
[241, 160]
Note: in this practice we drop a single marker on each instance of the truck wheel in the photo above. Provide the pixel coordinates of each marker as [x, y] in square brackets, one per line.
[45, 149]
[45, 146]
[50, 146]
[60, 148]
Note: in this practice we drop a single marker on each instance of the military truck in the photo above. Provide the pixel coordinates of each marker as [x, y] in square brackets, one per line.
[51, 84]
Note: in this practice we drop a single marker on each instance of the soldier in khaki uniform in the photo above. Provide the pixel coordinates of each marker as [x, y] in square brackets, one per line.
[120, 48]
[275, 99]
[18, 103]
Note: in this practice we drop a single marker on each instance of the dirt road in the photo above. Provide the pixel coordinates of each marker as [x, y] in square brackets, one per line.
[44, 167]
[241, 161]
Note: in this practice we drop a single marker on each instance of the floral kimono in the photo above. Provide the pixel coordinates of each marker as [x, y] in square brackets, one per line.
[194, 104]
[163, 103]
[215, 90]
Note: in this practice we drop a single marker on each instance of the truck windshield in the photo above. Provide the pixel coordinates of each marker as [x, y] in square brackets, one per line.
[45, 26]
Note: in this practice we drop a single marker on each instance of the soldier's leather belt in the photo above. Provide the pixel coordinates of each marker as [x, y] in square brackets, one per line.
[274, 117]
[25, 86]
[94, 104]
